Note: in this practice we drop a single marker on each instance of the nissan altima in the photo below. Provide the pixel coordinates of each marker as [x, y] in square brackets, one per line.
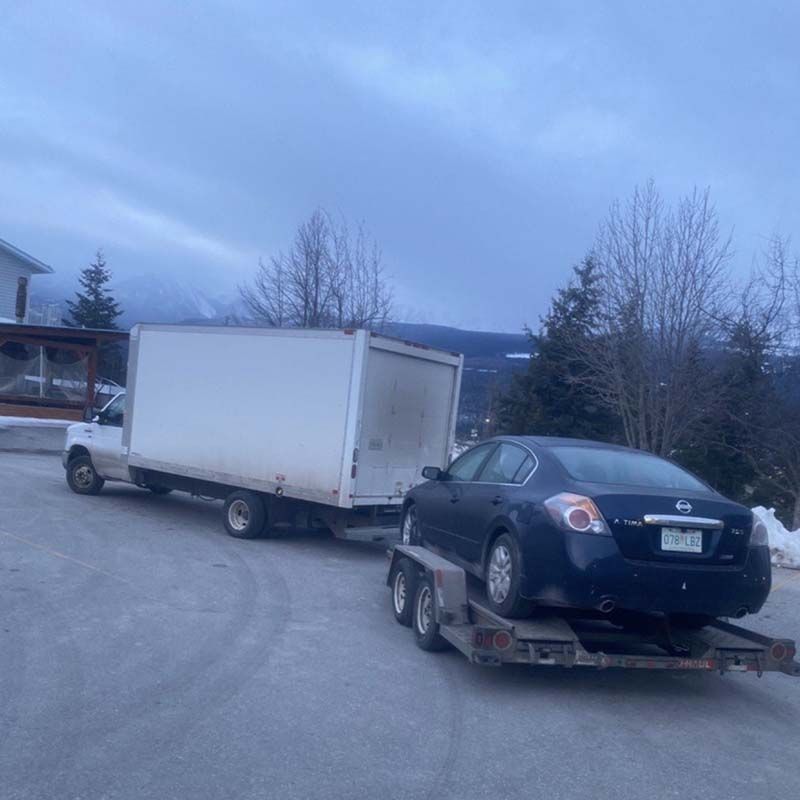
[581, 524]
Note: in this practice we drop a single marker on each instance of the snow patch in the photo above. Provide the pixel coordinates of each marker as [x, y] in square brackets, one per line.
[784, 545]
[34, 422]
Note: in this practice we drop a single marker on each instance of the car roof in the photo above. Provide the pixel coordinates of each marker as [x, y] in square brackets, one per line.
[563, 441]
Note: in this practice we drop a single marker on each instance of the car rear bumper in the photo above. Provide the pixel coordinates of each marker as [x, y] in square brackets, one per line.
[597, 575]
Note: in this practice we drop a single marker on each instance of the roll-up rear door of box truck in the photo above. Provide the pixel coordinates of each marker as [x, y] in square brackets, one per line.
[407, 417]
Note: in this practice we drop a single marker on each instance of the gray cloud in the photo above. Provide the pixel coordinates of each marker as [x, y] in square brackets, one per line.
[482, 144]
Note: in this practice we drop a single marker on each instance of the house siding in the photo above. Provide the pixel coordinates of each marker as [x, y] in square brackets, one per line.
[10, 271]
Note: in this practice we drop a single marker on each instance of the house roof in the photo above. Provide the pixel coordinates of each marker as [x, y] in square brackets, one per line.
[32, 263]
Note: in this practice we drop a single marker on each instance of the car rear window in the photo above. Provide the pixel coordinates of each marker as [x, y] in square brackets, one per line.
[598, 465]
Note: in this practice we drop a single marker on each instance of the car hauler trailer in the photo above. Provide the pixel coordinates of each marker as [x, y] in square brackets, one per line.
[430, 594]
[290, 427]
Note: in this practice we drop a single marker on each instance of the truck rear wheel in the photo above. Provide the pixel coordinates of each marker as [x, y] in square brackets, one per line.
[426, 628]
[404, 586]
[245, 515]
[82, 477]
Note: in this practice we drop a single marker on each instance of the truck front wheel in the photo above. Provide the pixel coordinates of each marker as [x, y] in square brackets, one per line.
[245, 515]
[82, 477]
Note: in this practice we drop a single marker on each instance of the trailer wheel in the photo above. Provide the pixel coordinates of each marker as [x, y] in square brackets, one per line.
[426, 628]
[245, 515]
[82, 477]
[409, 528]
[404, 586]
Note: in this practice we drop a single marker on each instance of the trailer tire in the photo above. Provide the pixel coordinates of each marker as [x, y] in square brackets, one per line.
[503, 578]
[82, 477]
[245, 515]
[403, 581]
[424, 624]
[409, 526]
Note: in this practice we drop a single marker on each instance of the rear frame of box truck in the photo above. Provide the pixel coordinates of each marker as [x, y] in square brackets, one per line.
[345, 419]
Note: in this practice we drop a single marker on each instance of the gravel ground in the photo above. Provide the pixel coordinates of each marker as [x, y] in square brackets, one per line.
[145, 654]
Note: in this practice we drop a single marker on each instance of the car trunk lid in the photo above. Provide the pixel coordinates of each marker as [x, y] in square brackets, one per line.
[654, 525]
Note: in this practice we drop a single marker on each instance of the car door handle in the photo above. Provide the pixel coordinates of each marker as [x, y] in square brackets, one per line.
[497, 500]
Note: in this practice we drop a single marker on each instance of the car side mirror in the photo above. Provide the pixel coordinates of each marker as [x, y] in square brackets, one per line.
[432, 473]
[89, 414]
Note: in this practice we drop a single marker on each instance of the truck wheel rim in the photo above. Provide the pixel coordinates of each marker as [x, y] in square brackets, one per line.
[424, 610]
[83, 476]
[500, 573]
[239, 515]
[400, 592]
[409, 526]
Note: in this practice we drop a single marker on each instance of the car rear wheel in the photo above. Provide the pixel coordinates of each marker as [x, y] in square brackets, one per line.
[426, 628]
[82, 477]
[404, 586]
[410, 528]
[245, 515]
[503, 578]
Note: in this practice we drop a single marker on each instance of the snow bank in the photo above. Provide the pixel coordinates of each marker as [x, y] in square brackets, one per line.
[783, 545]
[30, 422]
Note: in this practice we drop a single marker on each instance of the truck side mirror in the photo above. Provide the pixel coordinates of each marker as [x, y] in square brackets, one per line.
[89, 414]
[432, 473]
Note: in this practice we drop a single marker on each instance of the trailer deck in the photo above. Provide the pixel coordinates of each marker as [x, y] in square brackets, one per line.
[555, 638]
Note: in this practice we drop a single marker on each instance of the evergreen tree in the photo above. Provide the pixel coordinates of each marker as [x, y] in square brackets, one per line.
[94, 307]
[547, 399]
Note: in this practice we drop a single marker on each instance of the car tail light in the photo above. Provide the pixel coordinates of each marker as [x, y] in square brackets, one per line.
[576, 513]
[759, 534]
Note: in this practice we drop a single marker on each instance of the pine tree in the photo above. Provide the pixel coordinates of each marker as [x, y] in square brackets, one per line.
[547, 399]
[94, 307]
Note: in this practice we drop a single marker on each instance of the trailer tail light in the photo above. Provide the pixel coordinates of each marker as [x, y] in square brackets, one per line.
[576, 513]
[779, 651]
[490, 639]
[353, 470]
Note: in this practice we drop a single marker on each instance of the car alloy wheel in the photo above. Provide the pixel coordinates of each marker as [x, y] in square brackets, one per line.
[409, 533]
[500, 573]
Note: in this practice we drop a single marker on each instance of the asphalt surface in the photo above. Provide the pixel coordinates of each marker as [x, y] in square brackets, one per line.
[145, 654]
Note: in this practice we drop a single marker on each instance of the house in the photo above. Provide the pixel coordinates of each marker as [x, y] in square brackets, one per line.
[16, 270]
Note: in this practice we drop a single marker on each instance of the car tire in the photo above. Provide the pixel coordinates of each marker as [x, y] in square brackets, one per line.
[424, 624]
[159, 489]
[82, 477]
[245, 515]
[409, 526]
[403, 582]
[503, 578]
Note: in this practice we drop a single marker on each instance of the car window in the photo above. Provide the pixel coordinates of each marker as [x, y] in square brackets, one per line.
[524, 470]
[598, 465]
[466, 465]
[503, 464]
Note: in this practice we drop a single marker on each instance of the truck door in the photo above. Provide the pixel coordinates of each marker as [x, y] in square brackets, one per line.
[106, 446]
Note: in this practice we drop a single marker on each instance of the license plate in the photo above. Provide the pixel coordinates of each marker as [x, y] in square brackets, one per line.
[680, 540]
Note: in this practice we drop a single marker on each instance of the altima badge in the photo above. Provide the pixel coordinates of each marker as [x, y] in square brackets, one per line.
[684, 506]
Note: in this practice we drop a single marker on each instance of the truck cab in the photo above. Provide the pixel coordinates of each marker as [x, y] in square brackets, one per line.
[93, 448]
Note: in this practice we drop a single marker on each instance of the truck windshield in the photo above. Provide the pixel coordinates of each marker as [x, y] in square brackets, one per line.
[598, 465]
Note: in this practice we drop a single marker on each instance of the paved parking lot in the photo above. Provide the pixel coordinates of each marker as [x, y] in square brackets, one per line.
[145, 654]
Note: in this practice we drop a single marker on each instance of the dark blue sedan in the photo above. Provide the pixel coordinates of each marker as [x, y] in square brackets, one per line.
[580, 524]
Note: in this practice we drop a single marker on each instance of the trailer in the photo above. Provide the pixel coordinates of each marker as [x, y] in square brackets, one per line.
[432, 595]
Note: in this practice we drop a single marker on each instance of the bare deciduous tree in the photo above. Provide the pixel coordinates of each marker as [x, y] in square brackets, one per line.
[663, 280]
[328, 278]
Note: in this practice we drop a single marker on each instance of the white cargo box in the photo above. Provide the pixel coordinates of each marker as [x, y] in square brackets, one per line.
[345, 418]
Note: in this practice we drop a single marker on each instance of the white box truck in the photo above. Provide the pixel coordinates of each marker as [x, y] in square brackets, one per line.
[288, 426]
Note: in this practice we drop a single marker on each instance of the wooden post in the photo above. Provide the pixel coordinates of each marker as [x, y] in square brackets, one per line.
[91, 376]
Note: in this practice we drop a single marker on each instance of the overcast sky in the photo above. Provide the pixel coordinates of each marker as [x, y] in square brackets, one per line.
[481, 143]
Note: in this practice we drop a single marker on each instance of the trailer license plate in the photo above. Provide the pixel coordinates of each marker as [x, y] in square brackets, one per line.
[679, 540]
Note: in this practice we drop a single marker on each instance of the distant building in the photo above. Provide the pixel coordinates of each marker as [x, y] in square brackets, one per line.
[16, 270]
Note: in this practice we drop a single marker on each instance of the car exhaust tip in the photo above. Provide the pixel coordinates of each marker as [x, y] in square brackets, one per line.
[607, 605]
[742, 612]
